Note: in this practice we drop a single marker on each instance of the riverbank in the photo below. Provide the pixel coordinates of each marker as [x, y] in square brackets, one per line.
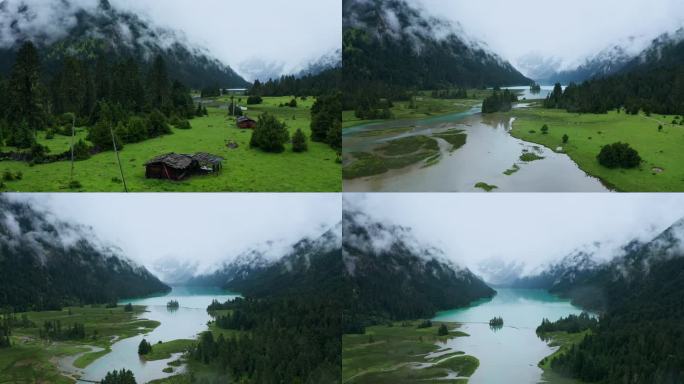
[401, 352]
[662, 168]
[244, 169]
[564, 341]
[32, 359]
[423, 106]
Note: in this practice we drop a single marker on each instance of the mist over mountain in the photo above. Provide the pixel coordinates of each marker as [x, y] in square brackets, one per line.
[47, 263]
[393, 42]
[266, 266]
[395, 276]
[87, 30]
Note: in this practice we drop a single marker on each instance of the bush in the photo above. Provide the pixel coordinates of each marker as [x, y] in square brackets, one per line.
[7, 176]
[183, 124]
[38, 152]
[565, 139]
[334, 138]
[136, 130]
[74, 184]
[545, 129]
[156, 124]
[254, 100]
[292, 103]
[270, 134]
[299, 141]
[81, 150]
[442, 331]
[618, 155]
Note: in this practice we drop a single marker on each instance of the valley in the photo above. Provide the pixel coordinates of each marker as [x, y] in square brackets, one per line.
[244, 169]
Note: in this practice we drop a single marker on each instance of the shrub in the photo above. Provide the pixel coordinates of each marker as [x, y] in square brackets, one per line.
[565, 138]
[254, 100]
[74, 184]
[157, 125]
[136, 130]
[7, 176]
[442, 331]
[38, 152]
[292, 103]
[270, 134]
[183, 124]
[545, 129]
[618, 155]
[299, 141]
[81, 150]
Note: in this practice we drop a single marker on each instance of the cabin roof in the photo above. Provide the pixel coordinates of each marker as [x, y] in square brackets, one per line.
[244, 118]
[173, 160]
[207, 158]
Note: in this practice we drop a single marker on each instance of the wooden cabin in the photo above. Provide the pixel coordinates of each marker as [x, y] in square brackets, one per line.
[244, 122]
[173, 166]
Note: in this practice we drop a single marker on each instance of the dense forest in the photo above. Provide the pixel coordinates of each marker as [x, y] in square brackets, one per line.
[387, 61]
[652, 83]
[640, 333]
[291, 314]
[318, 84]
[111, 99]
[397, 282]
[499, 101]
[55, 264]
[570, 324]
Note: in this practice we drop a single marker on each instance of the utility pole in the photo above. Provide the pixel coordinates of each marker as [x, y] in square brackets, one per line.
[73, 133]
[117, 157]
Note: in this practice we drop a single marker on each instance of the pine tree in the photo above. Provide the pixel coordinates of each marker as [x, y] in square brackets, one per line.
[299, 141]
[159, 90]
[270, 134]
[334, 138]
[25, 98]
[102, 79]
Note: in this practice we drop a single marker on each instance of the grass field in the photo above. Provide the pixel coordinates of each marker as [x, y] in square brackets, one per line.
[662, 168]
[244, 169]
[425, 106]
[165, 350]
[29, 358]
[385, 354]
[564, 341]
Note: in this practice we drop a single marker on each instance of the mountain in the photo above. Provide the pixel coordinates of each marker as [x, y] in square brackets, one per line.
[173, 271]
[48, 263]
[394, 276]
[331, 60]
[272, 269]
[640, 332]
[392, 44]
[312, 267]
[607, 62]
[62, 28]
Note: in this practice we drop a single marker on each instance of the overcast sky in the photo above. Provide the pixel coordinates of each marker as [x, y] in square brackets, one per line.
[532, 228]
[290, 33]
[569, 30]
[202, 227]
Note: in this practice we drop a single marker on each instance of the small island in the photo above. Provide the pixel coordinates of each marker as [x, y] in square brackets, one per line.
[496, 322]
[173, 304]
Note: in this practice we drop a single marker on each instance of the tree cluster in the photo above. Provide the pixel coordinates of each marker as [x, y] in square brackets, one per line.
[308, 85]
[570, 324]
[499, 102]
[270, 134]
[496, 322]
[52, 330]
[326, 120]
[172, 304]
[450, 93]
[123, 376]
[618, 155]
[106, 97]
[144, 347]
[290, 340]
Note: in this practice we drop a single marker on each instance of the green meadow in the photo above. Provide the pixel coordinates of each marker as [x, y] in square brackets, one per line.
[244, 169]
[388, 353]
[424, 106]
[33, 360]
[662, 166]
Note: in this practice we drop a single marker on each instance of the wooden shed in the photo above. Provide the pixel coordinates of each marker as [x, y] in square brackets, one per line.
[170, 166]
[173, 166]
[244, 122]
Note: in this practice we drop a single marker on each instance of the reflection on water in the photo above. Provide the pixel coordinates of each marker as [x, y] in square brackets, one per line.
[509, 354]
[184, 322]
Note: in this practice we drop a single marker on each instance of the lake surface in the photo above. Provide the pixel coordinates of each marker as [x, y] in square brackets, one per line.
[509, 354]
[489, 151]
[185, 323]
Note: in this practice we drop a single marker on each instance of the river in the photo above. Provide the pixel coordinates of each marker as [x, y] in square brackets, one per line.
[184, 323]
[509, 354]
[489, 151]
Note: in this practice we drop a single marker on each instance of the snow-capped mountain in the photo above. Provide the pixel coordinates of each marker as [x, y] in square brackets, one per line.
[61, 28]
[394, 42]
[395, 275]
[47, 263]
[270, 256]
